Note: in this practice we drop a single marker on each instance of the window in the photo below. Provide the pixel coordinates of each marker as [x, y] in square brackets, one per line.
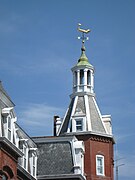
[79, 125]
[34, 165]
[9, 128]
[100, 165]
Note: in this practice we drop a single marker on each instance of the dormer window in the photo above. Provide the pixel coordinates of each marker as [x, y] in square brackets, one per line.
[24, 147]
[79, 124]
[7, 123]
[33, 161]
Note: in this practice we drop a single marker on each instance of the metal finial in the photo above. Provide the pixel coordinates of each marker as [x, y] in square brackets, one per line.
[83, 31]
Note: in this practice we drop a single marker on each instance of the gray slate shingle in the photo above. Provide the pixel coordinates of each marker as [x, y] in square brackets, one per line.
[54, 158]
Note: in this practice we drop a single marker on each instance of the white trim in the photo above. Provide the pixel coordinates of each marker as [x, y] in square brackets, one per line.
[88, 120]
[78, 79]
[23, 140]
[92, 81]
[33, 164]
[6, 111]
[62, 122]
[85, 79]
[25, 157]
[72, 113]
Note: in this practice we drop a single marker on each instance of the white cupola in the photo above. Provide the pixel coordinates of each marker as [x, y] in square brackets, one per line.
[83, 74]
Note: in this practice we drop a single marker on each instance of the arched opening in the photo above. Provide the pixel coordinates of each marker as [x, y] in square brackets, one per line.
[75, 80]
[81, 77]
[8, 171]
[88, 78]
[4, 177]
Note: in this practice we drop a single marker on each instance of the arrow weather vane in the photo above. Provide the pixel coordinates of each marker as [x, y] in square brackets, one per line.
[83, 31]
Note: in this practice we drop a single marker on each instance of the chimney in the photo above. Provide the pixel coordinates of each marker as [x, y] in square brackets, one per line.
[54, 128]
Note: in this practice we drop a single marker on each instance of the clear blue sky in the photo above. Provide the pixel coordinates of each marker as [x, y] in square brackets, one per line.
[38, 47]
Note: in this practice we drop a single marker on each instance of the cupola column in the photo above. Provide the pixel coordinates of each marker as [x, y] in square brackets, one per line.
[85, 79]
[74, 80]
[92, 81]
[78, 80]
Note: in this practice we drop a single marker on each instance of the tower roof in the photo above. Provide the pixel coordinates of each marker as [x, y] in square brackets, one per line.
[82, 107]
[83, 60]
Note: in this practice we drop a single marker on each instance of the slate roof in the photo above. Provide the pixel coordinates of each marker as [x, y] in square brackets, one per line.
[4, 96]
[80, 110]
[96, 122]
[54, 157]
[80, 107]
[67, 117]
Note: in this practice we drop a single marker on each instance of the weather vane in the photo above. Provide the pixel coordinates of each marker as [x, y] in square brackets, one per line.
[83, 31]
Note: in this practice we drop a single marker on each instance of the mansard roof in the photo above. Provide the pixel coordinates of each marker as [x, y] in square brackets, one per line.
[4, 97]
[54, 156]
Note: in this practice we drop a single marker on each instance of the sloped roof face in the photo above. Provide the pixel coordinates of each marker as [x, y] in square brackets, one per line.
[4, 97]
[54, 158]
[96, 122]
[68, 115]
[79, 108]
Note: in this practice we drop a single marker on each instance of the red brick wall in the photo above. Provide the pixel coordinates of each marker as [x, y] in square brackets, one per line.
[8, 165]
[97, 146]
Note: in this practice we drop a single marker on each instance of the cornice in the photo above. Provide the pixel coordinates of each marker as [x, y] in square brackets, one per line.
[10, 148]
[93, 136]
[81, 94]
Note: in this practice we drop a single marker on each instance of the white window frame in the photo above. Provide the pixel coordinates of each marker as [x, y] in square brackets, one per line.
[79, 125]
[33, 165]
[100, 168]
[25, 157]
[33, 161]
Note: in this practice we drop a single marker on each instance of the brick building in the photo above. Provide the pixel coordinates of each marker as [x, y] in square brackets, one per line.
[18, 152]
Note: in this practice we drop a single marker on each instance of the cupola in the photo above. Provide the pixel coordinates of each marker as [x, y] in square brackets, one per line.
[83, 73]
